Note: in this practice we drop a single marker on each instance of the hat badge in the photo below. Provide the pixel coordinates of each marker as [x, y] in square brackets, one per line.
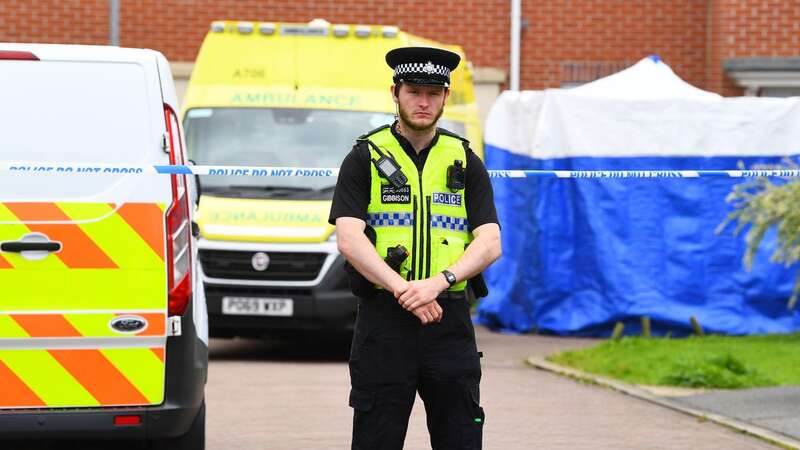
[429, 68]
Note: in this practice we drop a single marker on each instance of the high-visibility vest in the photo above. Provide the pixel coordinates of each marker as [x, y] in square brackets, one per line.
[425, 216]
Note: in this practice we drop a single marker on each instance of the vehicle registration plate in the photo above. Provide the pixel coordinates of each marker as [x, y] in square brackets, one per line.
[254, 306]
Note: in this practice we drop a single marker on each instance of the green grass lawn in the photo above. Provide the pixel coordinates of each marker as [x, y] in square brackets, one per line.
[703, 362]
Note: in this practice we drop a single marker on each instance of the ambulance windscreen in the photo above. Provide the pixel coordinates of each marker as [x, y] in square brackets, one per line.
[277, 137]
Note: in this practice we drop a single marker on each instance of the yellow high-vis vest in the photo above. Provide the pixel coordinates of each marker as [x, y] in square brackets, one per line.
[425, 216]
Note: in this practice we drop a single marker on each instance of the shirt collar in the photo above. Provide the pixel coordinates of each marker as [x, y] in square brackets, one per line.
[406, 145]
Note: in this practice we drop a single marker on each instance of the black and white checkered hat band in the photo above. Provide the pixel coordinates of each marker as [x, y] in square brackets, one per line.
[419, 68]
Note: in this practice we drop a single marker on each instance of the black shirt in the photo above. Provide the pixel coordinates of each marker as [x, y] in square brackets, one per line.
[352, 195]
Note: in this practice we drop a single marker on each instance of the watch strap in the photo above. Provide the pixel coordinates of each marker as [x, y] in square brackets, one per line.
[450, 277]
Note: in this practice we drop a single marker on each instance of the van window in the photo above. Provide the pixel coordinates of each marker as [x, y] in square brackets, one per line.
[72, 112]
[290, 137]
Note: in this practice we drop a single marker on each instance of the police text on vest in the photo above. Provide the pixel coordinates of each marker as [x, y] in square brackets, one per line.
[444, 198]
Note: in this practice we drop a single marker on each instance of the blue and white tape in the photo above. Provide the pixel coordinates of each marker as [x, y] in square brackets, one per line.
[785, 173]
[245, 171]
[269, 171]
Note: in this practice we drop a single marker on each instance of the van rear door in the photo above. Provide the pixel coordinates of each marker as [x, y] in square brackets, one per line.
[83, 309]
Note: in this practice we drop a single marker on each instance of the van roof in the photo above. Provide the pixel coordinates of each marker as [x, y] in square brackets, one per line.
[62, 52]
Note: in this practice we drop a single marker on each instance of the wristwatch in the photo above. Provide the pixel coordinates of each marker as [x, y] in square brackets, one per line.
[449, 277]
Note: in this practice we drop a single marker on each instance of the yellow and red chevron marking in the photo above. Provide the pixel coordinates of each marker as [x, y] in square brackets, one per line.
[139, 217]
[57, 346]
[77, 324]
[81, 377]
[99, 376]
[102, 238]
[78, 250]
[15, 392]
[159, 352]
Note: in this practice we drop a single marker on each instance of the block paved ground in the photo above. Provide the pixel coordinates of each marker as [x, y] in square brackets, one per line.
[279, 395]
[284, 395]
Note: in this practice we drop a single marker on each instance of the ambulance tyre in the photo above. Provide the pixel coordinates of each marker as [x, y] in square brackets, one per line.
[194, 439]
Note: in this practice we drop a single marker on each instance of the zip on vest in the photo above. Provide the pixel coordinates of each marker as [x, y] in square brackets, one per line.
[428, 242]
[421, 229]
[411, 274]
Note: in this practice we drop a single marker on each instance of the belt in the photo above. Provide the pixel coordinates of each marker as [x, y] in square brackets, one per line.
[450, 295]
[444, 296]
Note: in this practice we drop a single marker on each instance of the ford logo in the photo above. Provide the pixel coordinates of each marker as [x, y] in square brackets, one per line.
[260, 261]
[129, 324]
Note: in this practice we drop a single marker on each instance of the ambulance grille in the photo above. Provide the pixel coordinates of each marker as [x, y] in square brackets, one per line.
[283, 266]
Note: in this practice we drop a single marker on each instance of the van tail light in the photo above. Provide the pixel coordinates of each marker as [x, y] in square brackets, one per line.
[18, 55]
[179, 230]
[179, 248]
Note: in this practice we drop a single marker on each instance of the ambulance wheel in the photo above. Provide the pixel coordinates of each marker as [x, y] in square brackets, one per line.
[194, 439]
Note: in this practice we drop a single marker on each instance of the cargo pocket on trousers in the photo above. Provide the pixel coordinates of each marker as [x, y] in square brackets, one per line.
[362, 399]
[473, 432]
[364, 429]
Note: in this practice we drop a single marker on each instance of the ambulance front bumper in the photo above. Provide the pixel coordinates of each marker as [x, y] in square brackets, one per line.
[323, 302]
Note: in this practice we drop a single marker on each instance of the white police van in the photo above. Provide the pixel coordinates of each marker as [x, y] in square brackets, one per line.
[103, 323]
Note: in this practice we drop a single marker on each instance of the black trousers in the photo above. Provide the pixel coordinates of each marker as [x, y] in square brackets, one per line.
[394, 356]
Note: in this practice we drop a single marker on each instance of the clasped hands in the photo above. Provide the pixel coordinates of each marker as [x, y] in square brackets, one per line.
[419, 297]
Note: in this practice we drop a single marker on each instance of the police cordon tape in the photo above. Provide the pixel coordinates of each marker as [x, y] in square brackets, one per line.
[268, 171]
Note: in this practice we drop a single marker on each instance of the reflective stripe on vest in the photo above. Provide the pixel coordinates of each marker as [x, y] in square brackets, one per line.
[390, 219]
[432, 221]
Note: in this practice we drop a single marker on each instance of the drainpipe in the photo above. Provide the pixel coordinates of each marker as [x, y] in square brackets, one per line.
[113, 22]
[516, 13]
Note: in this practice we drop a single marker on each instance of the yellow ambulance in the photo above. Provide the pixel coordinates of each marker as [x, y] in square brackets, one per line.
[298, 95]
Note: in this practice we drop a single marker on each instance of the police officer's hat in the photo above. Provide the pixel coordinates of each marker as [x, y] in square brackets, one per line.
[422, 65]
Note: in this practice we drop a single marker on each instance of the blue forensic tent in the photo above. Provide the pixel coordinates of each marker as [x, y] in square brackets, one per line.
[582, 254]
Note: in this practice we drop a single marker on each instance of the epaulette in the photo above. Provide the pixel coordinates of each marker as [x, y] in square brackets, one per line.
[370, 133]
[451, 134]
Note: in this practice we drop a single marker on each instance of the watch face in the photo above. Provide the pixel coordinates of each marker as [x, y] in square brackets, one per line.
[450, 277]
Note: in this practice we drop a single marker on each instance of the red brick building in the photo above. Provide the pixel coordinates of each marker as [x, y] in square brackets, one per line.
[728, 46]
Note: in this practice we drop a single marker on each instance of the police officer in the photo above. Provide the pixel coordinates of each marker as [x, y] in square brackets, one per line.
[415, 218]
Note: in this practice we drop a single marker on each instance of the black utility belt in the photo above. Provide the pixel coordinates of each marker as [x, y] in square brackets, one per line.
[452, 295]
[444, 296]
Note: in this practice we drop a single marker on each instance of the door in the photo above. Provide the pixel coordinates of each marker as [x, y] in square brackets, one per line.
[83, 308]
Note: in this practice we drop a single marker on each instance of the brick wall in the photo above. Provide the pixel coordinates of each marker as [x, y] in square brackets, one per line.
[480, 26]
[47, 21]
[564, 39]
[761, 27]
[718, 32]
[610, 33]
[751, 28]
